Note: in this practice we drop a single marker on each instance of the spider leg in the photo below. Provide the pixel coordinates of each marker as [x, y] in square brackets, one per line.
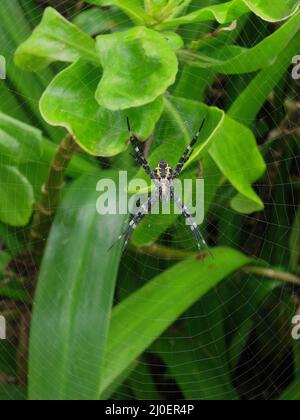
[193, 225]
[188, 153]
[139, 155]
[138, 217]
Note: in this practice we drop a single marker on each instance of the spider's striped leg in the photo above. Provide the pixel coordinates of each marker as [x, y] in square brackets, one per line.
[143, 211]
[193, 225]
[188, 153]
[139, 155]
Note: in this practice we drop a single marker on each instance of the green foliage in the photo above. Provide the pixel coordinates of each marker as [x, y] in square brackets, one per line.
[151, 67]
[102, 320]
[69, 100]
[77, 331]
[19, 142]
[16, 196]
[162, 300]
[234, 9]
[55, 39]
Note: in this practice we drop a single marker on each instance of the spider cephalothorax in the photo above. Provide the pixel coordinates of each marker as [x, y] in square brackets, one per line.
[163, 171]
[163, 176]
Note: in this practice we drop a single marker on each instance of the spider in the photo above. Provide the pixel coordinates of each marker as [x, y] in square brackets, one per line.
[163, 176]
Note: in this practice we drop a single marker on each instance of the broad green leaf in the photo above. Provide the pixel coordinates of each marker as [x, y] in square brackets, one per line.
[235, 152]
[142, 384]
[194, 368]
[132, 8]
[54, 39]
[74, 298]
[197, 358]
[250, 101]
[16, 197]
[173, 39]
[250, 292]
[245, 204]
[140, 319]
[138, 66]
[237, 60]
[69, 102]
[19, 142]
[22, 89]
[271, 10]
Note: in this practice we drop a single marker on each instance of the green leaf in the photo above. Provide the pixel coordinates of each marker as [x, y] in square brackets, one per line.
[140, 319]
[235, 152]
[19, 142]
[54, 39]
[16, 197]
[271, 10]
[139, 66]
[237, 60]
[132, 8]
[69, 102]
[248, 104]
[142, 383]
[197, 357]
[74, 298]
[197, 372]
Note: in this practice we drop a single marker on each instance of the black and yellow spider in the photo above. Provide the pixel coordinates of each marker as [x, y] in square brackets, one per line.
[163, 176]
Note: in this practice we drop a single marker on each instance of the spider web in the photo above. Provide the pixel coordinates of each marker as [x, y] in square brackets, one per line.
[256, 235]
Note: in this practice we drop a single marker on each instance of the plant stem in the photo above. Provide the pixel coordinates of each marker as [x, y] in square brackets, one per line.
[159, 251]
[273, 274]
[163, 252]
[51, 191]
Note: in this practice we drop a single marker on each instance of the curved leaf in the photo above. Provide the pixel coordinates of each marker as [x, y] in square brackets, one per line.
[235, 152]
[199, 374]
[19, 142]
[248, 104]
[147, 313]
[74, 298]
[139, 65]
[271, 10]
[69, 102]
[54, 39]
[16, 197]
[238, 60]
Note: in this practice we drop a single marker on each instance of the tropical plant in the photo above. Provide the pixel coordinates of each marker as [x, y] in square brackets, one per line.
[100, 323]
